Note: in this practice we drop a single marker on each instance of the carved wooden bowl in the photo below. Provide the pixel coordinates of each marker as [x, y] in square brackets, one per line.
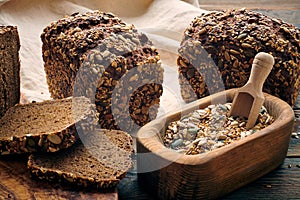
[172, 175]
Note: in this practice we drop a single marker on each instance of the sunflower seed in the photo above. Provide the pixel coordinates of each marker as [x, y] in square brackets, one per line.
[55, 139]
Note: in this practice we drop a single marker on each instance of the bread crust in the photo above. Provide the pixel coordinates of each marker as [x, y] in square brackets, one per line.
[90, 53]
[218, 49]
[87, 170]
[9, 68]
[22, 128]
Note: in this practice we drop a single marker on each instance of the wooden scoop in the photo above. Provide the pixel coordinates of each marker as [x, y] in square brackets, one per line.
[249, 99]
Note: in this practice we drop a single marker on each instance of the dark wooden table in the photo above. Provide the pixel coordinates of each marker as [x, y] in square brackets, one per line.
[280, 184]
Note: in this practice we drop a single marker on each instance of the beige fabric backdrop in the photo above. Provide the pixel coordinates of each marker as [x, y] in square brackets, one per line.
[162, 20]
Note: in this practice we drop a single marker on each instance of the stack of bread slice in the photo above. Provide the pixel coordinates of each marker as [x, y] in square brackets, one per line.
[49, 132]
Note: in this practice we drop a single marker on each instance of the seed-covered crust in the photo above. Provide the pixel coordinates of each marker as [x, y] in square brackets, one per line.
[91, 55]
[231, 39]
[43, 127]
[9, 68]
[93, 165]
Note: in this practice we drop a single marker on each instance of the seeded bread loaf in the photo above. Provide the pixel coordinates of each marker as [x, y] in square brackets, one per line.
[100, 163]
[99, 56]
[42, 127]
[223, 44]
[9, 68]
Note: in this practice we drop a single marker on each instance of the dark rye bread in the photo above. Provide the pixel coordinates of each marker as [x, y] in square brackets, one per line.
[42, 127]
[99, 56]
[100, 163]
[9, 68]
[231, 39]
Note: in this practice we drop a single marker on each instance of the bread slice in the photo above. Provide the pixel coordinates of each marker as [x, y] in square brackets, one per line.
[98, 162]
[9, 68]
[42, 127]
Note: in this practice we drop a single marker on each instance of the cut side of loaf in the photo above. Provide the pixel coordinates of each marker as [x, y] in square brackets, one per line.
[99, 56]
[99, 162]
[42, 127]
[9, 68]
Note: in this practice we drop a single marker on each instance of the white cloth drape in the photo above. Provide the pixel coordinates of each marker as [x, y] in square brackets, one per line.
[162, 20]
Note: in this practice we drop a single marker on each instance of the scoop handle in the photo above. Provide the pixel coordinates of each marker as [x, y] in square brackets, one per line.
[261, 67]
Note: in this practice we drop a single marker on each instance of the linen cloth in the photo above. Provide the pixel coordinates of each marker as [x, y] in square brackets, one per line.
[164, 22]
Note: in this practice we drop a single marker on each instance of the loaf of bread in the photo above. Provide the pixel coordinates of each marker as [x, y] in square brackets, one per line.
[218, 48]
[99, 56]
[100, 162]
[9, 68]
[45, 126]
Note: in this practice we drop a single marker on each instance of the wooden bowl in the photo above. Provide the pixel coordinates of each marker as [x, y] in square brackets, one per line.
[172, 175]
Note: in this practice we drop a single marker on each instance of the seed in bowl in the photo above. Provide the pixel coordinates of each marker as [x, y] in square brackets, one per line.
[210, 128]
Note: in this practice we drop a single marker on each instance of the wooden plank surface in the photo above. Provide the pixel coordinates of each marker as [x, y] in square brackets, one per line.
[282, 183]
[294, 148]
